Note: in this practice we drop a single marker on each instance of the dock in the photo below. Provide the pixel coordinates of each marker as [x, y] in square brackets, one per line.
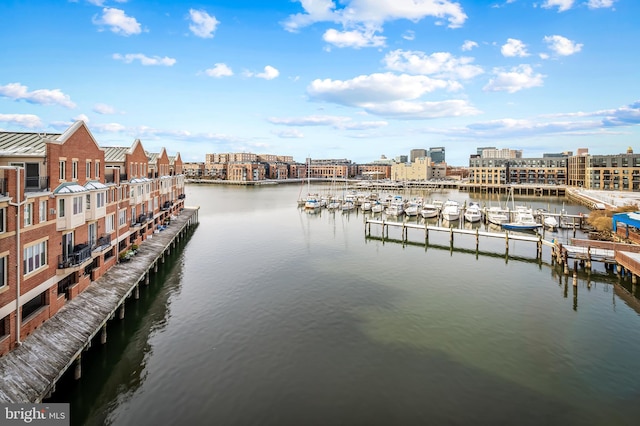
[30, 372]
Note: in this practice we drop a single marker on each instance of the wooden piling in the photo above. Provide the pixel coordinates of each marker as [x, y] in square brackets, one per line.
[121, 312]
[77, 371]
[103, 335]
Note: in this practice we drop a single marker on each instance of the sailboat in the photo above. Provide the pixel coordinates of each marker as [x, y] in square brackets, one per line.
[523, 219]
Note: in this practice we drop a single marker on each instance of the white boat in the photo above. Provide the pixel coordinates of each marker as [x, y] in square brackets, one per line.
[366, 206]
[550, 222]
[451, 211]
[497, 216]
[412, 209]
[429, 210]
[377, 207]
[333, 205]
[312, 203]
[523, 220]
[396, 207]
[473, 213]
[348, 205]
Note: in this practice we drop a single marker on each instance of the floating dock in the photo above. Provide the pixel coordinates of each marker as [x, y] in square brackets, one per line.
[30, 372]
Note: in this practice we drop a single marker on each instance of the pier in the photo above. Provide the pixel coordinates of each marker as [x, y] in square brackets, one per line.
[30, 372]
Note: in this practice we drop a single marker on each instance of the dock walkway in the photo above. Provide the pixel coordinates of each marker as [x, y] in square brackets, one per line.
[30, 372]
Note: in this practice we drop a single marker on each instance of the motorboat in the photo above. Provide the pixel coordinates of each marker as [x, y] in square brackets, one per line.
[523, 221]
[550, 222]
[412, 209]
[377, 207]
[396, 207]
[497, 216]
[312, 203]
[451, 211]
[429, 211]
[473, 213]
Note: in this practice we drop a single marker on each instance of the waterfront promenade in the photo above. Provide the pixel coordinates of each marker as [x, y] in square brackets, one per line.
[30, 372]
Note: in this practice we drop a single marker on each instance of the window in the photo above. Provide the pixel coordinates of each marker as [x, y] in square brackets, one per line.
[35, 257]
[61, 207]
[97, 175]
[28, 214]
[88, 201]
[74, 170]
[110, 223]
[100, 197]
[88, 168]
[122, 217]
[33, 305]
[62, 169]
[43, 211]
[3, 273]
[77, 205]
[3, 214]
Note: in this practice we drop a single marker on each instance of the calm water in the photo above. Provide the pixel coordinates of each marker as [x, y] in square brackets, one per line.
[273, 316]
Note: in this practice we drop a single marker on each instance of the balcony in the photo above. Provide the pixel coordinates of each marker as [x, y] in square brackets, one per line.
[36, 183]
[103, 243]
[80, 254]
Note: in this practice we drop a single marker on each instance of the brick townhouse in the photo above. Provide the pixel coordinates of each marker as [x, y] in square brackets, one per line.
[69, 209]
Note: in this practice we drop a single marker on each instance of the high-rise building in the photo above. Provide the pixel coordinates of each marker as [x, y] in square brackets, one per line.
[417, 153]
[437, 154]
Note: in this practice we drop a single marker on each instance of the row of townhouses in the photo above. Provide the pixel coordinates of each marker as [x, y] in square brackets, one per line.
[70, 210]
[490, 167]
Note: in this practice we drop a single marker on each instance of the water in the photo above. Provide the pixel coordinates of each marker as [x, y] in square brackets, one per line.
[273, 316]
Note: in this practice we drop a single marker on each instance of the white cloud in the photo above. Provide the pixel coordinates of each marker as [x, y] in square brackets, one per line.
[389, 94]
[518, 78]
[439, 64]
[600, 4]
[342, 123]
[351, 13]
[219, 70]
[269, 73]
[82, 117]
[468, 45]
[144, 59]
[289, 134]
[562, 5]
[104, 109]
[17, 91]
[118, 22]
[514, 47]
[356, 38]
[108, 128]
[29, 121]
[202, 24]
[409, 35]
[562, 46]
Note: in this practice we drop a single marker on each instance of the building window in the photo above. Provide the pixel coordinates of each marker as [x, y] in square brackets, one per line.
[88, 202]
[122, 217]
[43, 211]
[3, 214]
[110, 223]
[3, 273]
[33, 305]
[28, 214]
[88, 169]
[35, 257]
[63, 165]
[100, 196]
[77, 205]
[74, 170]
[97, 170]
[61, 207]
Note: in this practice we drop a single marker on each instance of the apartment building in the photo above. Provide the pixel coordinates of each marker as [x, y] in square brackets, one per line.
[68, 209]
[620, 172]
[500, 171]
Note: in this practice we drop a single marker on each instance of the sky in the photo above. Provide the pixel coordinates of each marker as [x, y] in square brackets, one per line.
[353, 79]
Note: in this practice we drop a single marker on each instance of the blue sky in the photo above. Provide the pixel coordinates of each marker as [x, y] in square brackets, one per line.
[350, 79]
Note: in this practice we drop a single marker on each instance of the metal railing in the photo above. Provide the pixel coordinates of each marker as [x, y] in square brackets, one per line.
[81, 252]
[36, 183]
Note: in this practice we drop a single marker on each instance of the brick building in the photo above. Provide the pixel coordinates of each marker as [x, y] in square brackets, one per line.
[68, 209]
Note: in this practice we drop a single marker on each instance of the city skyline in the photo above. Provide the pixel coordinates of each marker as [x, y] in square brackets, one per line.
[354, 79]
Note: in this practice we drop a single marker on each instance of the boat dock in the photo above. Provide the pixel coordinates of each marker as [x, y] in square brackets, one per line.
[426, 229]
[30, 372]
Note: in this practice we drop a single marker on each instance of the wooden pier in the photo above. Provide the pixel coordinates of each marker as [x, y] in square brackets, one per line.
[30, 372]
[426, 229]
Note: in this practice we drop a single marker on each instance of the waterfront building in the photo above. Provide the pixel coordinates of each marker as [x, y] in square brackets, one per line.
[246, 171]
[500, 171]
[194, 169]
[68, 209]
[374, 171]
[499, 153]
[576, 168]
[417, 153]
[437, 154]
[619, 172]
[419, 170]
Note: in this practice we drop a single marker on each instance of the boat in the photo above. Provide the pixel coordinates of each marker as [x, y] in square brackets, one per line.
[497, 216]
[451, 211]
[412, 209]
[473, 213]
[312, 203]
[550, 222]
[366, 206]
[377, 207]
[348, 205]
[429, 210]
[396, 207]
[523, 220]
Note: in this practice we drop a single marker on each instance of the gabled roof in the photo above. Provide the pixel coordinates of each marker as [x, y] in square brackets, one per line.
[24, 144]
[172, 159]
[69, 188]
[94, 184]
[115, 153]
[152, 157]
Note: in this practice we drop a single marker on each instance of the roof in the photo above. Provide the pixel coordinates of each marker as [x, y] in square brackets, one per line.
[153, 157]
[69, 188]
[94, 184]
[115, 153]
[24, 144]
[629, 218]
